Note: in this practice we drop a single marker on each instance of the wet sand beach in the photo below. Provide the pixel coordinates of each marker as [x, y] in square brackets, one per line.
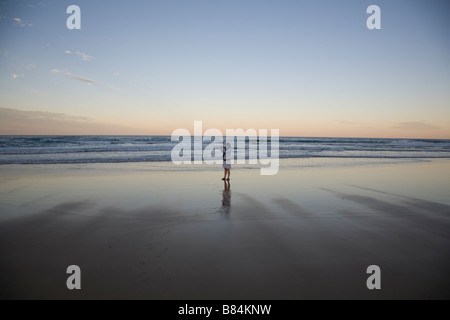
[154, 231]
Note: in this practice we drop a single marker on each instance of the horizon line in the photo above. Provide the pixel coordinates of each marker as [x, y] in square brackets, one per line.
[168, 135]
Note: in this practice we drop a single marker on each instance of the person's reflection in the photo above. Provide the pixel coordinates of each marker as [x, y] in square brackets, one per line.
[226, 197]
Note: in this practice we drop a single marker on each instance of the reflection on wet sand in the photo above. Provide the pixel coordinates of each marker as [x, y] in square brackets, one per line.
[226, 197]
[302, 234]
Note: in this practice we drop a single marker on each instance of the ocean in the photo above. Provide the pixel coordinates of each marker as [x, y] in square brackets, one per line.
[121, 149]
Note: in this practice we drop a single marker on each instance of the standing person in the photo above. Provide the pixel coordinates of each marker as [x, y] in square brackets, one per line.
[226, 162]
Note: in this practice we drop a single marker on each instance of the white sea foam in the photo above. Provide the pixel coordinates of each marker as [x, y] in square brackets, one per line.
[117, 149]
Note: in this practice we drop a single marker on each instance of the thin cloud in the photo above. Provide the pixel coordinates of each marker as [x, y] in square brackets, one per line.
[113, 87]
[14, 121]
[15, 75]
[415, 125]
[20, 23]
[34, 115]
[82, 55]
[73, 76]
[87, 80]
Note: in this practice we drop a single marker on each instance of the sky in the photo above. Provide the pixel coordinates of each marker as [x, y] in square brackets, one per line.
[308, 68]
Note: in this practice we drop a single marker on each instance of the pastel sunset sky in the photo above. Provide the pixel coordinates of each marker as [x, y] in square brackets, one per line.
[308, 68]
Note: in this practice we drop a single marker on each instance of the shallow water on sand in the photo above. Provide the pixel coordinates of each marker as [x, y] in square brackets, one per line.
[151, 231]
